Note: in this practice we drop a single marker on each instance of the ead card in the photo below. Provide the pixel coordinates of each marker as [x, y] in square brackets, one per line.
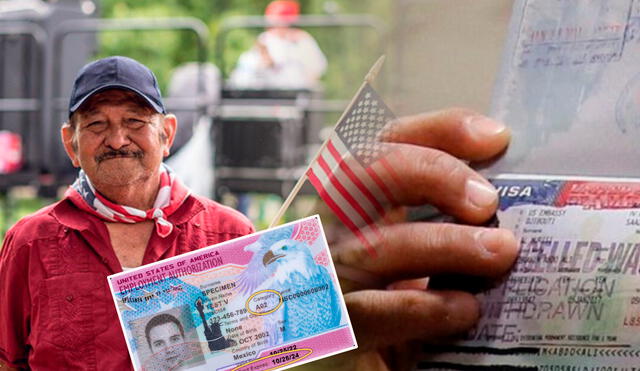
[266, 301]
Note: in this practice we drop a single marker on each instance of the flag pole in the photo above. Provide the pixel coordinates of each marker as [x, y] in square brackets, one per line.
[371, 75]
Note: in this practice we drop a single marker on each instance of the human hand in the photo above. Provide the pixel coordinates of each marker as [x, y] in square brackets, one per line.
[265, 56]
[396, 309]
[4, 367]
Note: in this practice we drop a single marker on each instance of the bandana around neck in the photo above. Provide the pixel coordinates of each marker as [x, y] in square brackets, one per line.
[171, 195]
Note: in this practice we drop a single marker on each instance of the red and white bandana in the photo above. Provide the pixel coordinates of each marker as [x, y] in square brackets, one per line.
[171, 195]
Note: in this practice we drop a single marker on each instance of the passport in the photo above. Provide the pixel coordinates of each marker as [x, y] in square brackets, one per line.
[569, 190]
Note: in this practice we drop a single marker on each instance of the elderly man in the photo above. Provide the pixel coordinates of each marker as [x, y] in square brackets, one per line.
[126, 209]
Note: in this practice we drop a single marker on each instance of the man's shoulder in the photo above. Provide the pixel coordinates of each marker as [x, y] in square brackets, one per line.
[40, 224]
[218, 218]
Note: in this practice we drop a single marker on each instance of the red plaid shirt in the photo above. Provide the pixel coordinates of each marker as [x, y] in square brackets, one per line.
[56, 310]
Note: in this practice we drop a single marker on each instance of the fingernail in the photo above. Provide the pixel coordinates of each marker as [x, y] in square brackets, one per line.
[389, 131]
[492, 240]
[481, 126]
[480, 194]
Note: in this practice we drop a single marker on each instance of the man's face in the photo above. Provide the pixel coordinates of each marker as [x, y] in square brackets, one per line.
[167, 343]
[118, 139]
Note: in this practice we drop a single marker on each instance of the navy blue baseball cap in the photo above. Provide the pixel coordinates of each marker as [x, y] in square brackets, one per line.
[115, 73]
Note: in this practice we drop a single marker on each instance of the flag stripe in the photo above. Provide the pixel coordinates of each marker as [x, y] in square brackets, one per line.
[348, 208]
[354, 179]
[330, 195]
[381, 184]
[330, 190]
[340, 182]
[367, 180]
[367, 206]
[356, 168]
[392, 172]
[340, 188]
[336, 209]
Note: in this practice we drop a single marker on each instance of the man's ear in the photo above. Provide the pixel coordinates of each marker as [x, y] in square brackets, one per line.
[169, 127]
[67, 133]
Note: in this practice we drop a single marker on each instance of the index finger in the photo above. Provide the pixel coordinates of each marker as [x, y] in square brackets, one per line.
[460, 132]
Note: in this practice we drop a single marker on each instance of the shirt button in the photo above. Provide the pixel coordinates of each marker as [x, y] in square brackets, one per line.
[70, 298]
[104, 260]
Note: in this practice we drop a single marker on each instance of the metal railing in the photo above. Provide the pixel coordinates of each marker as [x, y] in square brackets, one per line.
[31, 152]
[54, 103]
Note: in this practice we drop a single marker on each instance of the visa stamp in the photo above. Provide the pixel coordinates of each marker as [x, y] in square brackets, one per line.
[572, 299]
[266, 301]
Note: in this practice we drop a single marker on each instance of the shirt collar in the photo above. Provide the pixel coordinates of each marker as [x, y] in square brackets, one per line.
[67, 214]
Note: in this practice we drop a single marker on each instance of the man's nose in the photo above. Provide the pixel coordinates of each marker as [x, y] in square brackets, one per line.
[117, 137]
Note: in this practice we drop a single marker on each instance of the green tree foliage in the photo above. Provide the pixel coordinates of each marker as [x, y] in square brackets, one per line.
[350, 51]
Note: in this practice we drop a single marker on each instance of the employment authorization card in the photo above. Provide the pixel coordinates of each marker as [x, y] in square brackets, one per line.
[266, 301]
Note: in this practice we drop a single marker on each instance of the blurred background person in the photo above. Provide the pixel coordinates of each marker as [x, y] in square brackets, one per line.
[283, 57]
[192, 159]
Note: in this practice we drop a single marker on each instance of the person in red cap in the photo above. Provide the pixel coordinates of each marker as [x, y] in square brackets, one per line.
[282, 11]
[283, 57]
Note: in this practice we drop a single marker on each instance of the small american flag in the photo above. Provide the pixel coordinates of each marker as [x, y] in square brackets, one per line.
[351, 172]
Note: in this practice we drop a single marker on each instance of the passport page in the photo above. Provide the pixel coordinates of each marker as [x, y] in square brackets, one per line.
[569, 88]
[572, 300]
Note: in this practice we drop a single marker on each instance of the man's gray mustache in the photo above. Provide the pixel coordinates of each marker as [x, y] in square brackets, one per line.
[121, 153]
